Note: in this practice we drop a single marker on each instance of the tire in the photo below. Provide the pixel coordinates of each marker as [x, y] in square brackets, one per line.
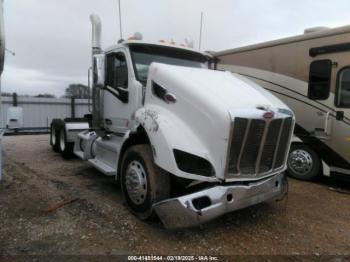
[142, 182]
[54, 135]
[66, 148]
[303, 162]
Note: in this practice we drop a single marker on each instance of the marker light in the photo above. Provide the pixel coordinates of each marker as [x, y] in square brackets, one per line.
[136, 36]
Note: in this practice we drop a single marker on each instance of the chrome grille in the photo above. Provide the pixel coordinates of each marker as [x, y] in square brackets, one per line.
[258, 146]
[268, 152]
[251, 150]
[283, 143]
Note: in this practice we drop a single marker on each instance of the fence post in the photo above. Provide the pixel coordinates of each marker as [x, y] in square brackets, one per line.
[72, 107]
[14, 99]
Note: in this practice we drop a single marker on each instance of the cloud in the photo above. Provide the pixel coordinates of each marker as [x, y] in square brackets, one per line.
[33, 82]
[52, 38]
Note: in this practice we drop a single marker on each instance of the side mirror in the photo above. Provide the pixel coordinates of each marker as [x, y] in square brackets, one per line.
[99, 71]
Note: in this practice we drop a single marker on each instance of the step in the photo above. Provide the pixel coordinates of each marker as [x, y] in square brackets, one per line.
[79, 154]
[103, 167]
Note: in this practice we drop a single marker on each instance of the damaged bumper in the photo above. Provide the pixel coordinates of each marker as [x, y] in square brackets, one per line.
[197, 208]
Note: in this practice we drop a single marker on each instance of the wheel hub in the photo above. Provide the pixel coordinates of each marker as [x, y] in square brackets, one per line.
[136, 182]
[300, 161]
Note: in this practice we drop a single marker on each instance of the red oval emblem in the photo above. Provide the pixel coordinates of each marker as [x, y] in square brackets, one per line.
[268, 115]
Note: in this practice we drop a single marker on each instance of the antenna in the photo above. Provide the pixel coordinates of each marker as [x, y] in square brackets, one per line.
[120, 22]
[200, 32]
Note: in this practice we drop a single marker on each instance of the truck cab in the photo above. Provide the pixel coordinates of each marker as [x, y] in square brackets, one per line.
[127, 68]
[185, 142]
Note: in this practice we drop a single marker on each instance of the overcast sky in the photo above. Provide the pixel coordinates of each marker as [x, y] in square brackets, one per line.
[51, 38]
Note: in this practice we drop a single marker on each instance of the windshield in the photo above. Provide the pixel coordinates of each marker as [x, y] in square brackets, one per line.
[144, 55]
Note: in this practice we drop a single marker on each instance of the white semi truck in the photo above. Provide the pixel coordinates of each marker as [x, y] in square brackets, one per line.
[185, 142]
[2, 38]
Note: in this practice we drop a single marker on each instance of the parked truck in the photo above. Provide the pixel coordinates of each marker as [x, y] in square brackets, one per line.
[311, 74]
[2, 60]
[2, 38]
[185, 142]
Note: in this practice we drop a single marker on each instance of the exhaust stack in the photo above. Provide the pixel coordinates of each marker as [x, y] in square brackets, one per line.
[97, 72]
[96, 33]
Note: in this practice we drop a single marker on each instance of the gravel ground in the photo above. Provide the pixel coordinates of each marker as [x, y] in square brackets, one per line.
[313, 220]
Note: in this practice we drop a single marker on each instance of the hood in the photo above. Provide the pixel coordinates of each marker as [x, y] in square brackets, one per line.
[198, 118]
[221, 89]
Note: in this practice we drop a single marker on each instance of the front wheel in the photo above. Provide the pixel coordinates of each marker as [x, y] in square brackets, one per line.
[303, 162]
[142, 182]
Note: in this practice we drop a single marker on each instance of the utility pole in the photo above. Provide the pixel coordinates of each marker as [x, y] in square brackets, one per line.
[120, 22]
[200, 32]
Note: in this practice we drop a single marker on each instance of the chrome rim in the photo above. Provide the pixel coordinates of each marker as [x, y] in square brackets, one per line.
[62, 142]
[53, 136]
[136, 182]
[300, 161]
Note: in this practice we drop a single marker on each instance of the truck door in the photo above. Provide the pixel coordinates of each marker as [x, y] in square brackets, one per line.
[118, 102]
[320, 76]
[341, 125]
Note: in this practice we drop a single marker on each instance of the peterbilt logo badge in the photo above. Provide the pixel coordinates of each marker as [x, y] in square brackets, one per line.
[268, 115]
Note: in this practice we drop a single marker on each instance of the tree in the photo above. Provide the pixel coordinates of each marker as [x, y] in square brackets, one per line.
[6, 94]
[77, 91]
[46, 95]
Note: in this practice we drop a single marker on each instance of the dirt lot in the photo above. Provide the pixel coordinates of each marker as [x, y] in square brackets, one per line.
[312, 220]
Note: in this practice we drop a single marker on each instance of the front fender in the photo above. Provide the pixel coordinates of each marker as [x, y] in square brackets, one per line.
[168, 132]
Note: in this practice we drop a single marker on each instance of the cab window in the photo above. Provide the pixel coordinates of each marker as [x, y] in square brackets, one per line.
[117, 71]
[343, 88]
[320, 79]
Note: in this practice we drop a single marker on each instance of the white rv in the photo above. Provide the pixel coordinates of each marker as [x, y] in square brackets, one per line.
[174, 134]
[311, 74]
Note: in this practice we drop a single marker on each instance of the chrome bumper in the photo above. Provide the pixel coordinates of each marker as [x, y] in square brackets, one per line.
[181, 212]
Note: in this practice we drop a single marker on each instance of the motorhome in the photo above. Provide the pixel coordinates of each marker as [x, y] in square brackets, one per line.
[311, 74]
[174, 135]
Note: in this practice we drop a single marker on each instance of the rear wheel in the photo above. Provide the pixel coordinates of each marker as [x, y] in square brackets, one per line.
[66, 148]
[303, 162]
[54, 135]
[142, 182]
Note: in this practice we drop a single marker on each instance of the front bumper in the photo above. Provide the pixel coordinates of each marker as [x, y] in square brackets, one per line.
[181, 212]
